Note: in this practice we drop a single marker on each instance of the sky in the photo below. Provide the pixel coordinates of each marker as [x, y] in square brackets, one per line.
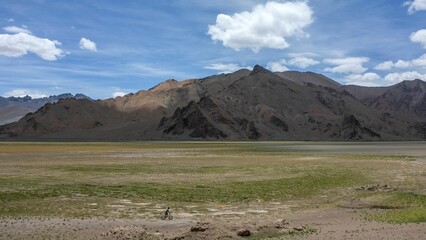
[107, 48]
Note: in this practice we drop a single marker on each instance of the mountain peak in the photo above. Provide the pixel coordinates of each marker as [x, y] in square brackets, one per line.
[258, 69]
[25, 98]
[164, 85]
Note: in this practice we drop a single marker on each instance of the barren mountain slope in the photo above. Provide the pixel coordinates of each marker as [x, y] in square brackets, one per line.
[265, 106]
[69, 118]
[309, 77]
[255, 104]
[14, 108]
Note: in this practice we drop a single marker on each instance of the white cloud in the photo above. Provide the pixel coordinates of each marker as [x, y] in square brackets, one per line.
[88, 45]
[303, 54]
[367, 79]
[419, 62]
[10, 20]
[15, 29]
[388, 65]
[402, 64]
[17, 45]
[143, 69]
[302, 62]
[347, 60]
[347, 65]
[25, 92]
[399, 77]
[419, 37]
[416, 5]
[118, 94]
[347, 68]
[225, 68]
[266, 26]
[277, 66]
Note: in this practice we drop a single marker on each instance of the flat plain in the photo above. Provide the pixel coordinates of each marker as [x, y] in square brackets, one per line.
[276, 190]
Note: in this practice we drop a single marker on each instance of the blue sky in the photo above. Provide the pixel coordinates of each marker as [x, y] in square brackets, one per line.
[106, 48]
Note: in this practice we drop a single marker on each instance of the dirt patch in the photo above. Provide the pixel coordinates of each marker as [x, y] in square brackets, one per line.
[205, 230]
[282, 224]
[351, 224]
[335, 223]
[128, 232]
[236, 230]
[376, 188]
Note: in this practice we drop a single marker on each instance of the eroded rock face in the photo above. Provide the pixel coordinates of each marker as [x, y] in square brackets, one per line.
[353, 130]
[419, 129]
[192, 118]
[279, 123]
[252, 131]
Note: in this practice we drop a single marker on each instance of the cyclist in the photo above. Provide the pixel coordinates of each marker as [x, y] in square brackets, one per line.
[167, 212]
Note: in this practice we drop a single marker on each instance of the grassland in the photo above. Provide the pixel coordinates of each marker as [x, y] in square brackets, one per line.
[139, 179]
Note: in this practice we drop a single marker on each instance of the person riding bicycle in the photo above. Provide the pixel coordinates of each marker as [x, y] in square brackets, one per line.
[167, 212]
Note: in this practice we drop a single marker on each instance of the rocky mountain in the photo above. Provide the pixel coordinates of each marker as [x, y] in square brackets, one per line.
[245, 105]
[399, 105]
[309, 77]
[14, 108]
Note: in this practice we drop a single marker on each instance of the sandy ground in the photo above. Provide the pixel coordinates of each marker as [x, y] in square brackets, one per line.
[335, 223]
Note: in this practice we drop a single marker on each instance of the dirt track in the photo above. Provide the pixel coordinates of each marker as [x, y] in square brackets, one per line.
[337, 223]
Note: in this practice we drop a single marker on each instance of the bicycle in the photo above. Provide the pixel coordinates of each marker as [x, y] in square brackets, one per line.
[167, 216]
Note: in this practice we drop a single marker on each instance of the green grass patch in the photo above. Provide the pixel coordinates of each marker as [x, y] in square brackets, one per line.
[134, 168]
[312, 183]
[234, 191]
[410, 208]
[43, 178]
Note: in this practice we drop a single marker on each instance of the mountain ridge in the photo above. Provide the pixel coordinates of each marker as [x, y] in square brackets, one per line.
[244, 105]
[14, 108]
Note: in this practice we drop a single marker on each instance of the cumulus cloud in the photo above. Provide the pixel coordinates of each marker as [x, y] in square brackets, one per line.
[15, 29]
[416, 5]
[402, 64]
[388, 65]
[277, 66]
[88, 45]
[419, 62]
[25, 92]
[419, 37]
[10, 20]
[225, 68]
[366, 79]
[399, 77]
[266, 26]
[302, 62]
[19, 44]
[118, 94]
[347, 65]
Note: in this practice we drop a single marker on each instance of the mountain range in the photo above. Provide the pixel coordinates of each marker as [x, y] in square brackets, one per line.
[244, 105]
[14, 108]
